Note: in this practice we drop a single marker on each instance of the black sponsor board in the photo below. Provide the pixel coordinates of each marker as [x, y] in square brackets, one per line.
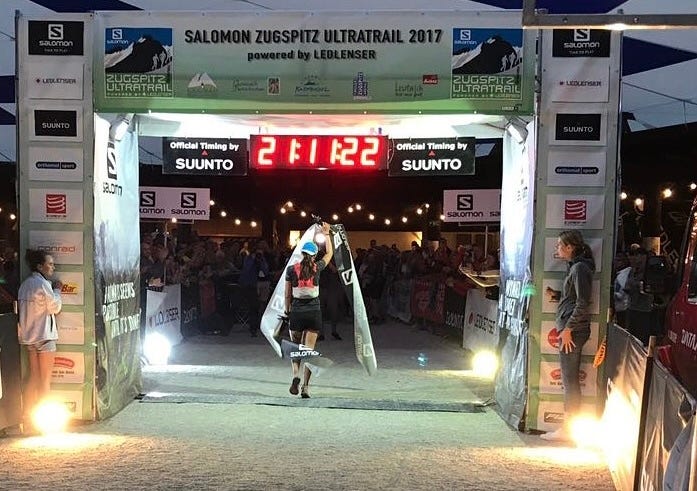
[431, 157]
[204, 156]
[56, 38]
[55, 123]
[578, 127]
[581, 43]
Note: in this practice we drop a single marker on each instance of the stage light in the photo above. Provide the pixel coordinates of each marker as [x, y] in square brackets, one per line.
[667, 193]
[223, 213]
[238, 221]
[253, 224]
[485, 364]
[303, 214]
[371, 217]
[623, 195]
[404, 219]
[211, 202]
[387, 221]
[156, 349]
[419, 211]
[50, 417]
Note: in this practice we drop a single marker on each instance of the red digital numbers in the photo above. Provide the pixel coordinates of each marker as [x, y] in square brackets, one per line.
[318, 152]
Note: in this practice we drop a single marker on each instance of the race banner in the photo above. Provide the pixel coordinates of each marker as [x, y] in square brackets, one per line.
[204, 156]
[117, 266]
[480, 330]
[445, 61]
[472, 205]
[182, 203]
[163, 313]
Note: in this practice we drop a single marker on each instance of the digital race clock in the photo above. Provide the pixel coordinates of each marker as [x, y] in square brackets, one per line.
[318, 152]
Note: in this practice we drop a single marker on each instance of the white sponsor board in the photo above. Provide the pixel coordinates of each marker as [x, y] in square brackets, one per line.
[552, 263]
[551, 294]
[55, 164]
[163, 313]
[68, 368]
[575, 81]
[54, 79]
[180, 203]
[576, 167]
[71, 327]
[55, 205]
[580, 211]
[549, 339]
[480, 330]
[550, 414]
[72, 399]
[551, 381]
[472, 205]
[73, 292]
[65, 247]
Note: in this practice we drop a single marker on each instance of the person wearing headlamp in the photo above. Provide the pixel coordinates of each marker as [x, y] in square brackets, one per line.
[302, 304]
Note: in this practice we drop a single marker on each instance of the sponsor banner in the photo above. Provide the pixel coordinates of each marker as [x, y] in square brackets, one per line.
[163, 313]
[551, 295]
[549, 339]
[55, 205]
[550, 414]
[138, 62]
[472, 205]
[204, 156]
[331, 60]
[56, 38]
[68, 368]
[579, 128]
[585, 211]
[427, 298]
[481, 331]
[576, 81]
[73, 291]
[552, 263]
[71, 327]
[52, 79]
[72, 399]
[551, 382]
[182, 203]
[581, 43]
[65, 247]
[55, 124]
[576, 167]
[487, 63]
[55, 164]
[431, 157]
[116, 269]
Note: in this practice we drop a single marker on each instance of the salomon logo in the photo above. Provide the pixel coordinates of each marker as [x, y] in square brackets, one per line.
[347, 276]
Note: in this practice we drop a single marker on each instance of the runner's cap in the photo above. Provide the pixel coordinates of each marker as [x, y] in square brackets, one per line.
[310, 248]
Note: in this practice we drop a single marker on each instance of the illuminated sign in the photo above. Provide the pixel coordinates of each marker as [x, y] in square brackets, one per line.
[318, 152]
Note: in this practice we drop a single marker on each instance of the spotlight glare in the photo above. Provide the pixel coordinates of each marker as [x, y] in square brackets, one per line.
[156, 348]
[485, 364]
[50, 417]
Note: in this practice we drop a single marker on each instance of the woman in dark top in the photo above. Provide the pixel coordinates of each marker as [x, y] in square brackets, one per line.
[302, 304]
[573, 321]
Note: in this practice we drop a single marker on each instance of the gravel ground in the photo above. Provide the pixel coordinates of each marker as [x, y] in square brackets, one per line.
[260, 446]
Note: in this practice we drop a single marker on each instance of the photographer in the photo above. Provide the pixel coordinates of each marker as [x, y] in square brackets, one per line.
[253, 265]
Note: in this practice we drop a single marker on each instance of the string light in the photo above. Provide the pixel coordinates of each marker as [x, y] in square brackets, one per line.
[419, 211]
[13, 216]
[253, 224]
[303, 214]
[427, 206]
[223, 213]
[404, 219]
[442, 217]
[289, 204]
[693, 186]
[667, 193]
[623, 195]
[358, 206]
[371, 217]
[283, 211]
[350, 209]
[387, 221]
[238, 221]
[211, 202]
[335, 217]
[174, 220]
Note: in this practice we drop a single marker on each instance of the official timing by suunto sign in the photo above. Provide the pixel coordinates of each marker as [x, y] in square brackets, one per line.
[204, 156]
[56, 38]
[581, 43]
[332, 61]
[431, 157]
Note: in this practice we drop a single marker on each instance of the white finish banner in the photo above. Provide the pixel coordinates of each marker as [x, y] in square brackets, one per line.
[585, 211]
[65, 247]
[55, 79]
[71, 327]
[55, 205]
[551, 382]
[577, 167]
[481, 331]
[162, 313]
[180, 203]
[55, 163]
[68, 368]
[472, 205]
